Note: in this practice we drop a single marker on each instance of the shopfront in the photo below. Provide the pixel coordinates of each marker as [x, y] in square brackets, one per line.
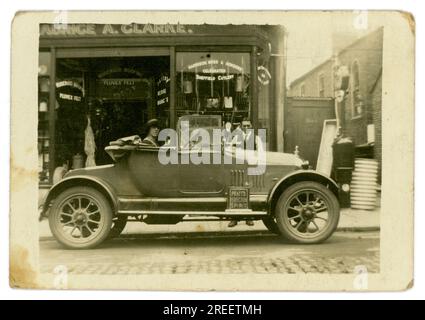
[98, 83]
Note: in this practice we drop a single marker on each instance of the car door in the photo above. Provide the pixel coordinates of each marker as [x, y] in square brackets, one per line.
[206, 179]
[151, 176]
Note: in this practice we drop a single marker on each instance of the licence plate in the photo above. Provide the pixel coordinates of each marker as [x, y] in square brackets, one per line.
[238, 198]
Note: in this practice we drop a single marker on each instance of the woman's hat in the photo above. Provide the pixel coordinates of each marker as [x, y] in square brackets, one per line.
[152, 123]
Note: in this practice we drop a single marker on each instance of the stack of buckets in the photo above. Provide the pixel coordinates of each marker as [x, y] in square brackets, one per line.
[364, 184]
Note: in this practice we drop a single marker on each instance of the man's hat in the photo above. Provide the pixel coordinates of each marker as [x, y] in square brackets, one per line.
[246, 122]
[152, 123]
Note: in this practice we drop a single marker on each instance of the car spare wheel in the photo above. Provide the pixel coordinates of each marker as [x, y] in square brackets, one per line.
[307, 212]
[80, 218]
[118, 224]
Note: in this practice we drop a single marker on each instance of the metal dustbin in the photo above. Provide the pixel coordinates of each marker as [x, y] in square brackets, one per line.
[343, 166]
[363, 193]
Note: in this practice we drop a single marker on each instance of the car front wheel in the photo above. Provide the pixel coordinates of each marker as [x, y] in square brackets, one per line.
[307, 212]
[80, 218]
[271, 224]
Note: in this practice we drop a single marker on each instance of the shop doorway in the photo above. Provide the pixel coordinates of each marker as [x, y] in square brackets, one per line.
[115, 119]
[101, 99]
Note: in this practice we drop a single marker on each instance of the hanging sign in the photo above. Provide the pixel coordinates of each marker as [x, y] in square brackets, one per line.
[263, 75]
[69, 90]
[162, 89]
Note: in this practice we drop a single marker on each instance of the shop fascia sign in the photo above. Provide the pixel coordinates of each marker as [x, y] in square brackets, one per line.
[90, 29]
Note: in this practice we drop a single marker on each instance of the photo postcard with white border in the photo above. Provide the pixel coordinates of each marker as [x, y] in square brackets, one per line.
[212, 150]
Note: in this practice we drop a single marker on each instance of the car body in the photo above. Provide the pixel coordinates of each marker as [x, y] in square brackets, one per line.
[293, 201]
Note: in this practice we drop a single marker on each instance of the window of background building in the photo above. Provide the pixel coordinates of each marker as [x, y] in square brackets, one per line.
[213, 83]
[321, 85]
[356, 98]
[302, 90]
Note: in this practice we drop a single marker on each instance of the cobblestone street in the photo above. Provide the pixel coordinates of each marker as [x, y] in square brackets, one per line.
[207, 252]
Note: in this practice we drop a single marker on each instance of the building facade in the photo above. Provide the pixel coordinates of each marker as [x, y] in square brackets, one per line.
[362, 107]
[318, 82]
[98, 83]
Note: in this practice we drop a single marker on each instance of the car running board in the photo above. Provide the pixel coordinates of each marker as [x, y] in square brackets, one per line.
[228, 212]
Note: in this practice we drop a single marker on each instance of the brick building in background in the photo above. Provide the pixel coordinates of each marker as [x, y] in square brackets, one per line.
[363, 106]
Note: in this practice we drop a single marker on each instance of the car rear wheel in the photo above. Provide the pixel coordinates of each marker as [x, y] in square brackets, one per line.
[80, 218]
[307, 212]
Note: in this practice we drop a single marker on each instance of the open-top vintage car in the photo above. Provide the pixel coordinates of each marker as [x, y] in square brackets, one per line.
[90, 205]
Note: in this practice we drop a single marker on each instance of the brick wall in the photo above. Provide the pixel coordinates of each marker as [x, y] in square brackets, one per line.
[367, 52]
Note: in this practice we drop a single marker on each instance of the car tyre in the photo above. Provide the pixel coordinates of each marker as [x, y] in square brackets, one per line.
[118, 224]
[271, 224]
[307, 212]
[80, 218]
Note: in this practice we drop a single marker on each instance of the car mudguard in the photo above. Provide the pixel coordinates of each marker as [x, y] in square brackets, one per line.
[80, 180]
[298, 176]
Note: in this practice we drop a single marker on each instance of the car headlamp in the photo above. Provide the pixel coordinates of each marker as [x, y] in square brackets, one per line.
[305, 164]
[345, 187]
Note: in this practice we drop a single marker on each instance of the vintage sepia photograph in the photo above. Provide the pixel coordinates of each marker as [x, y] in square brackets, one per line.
[168, 150]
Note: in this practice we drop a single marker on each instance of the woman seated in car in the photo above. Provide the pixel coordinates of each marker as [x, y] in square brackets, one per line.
[152, 127]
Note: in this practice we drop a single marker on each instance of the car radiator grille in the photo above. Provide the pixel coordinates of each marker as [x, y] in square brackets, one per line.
[257, 181]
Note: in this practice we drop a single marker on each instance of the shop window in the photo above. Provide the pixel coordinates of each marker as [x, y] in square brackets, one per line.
[213, 83]
[321, 85]
[44, 86]
[356, 97]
